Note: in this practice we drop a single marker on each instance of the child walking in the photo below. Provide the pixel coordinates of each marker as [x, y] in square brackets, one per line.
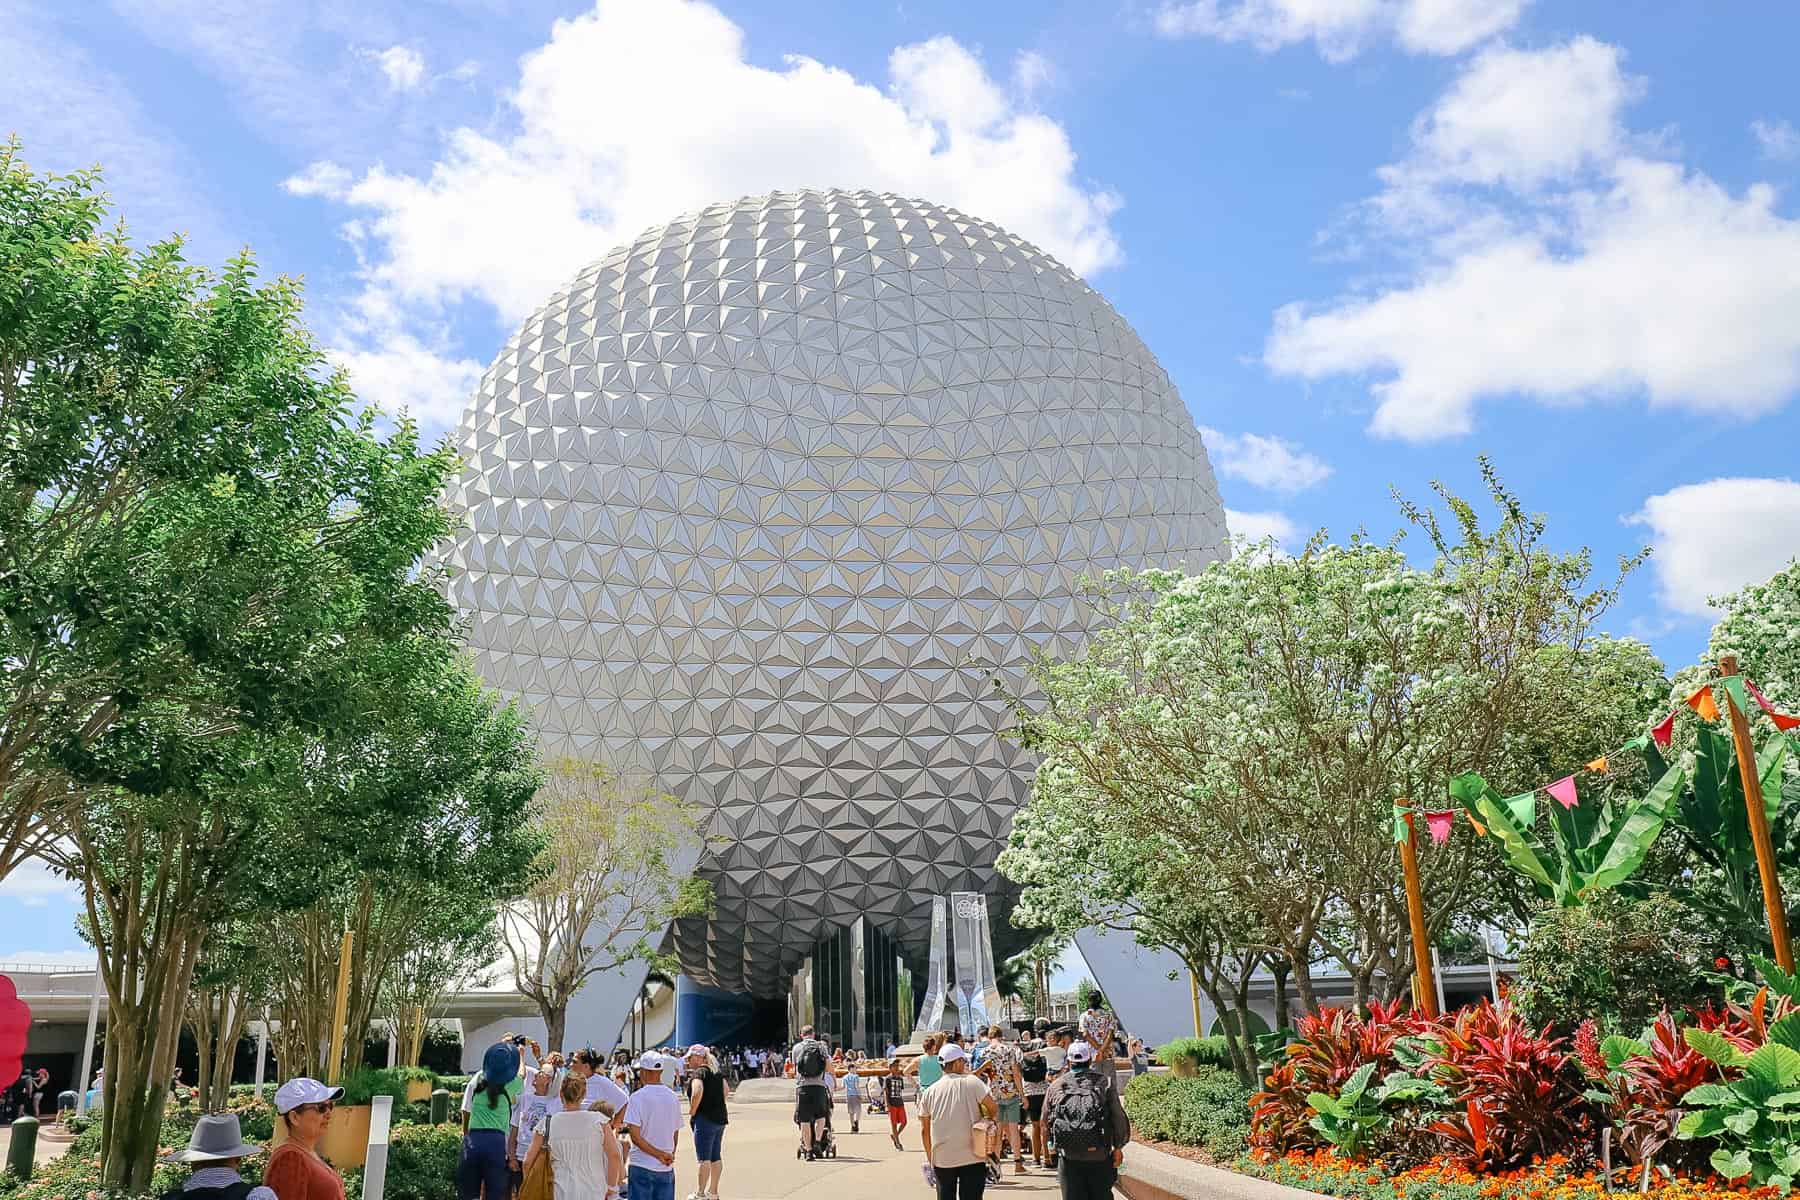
[894, 1083]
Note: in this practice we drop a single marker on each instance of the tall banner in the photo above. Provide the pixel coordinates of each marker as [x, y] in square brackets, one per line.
[977, 993]
[931, 1011]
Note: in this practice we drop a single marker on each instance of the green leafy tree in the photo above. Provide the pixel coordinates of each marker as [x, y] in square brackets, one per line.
[1252, 724]
[611, 873]
[214, 567]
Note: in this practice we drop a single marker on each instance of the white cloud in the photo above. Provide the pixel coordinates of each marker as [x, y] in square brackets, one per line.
[1031, 71]
[1255, 526]
[504, 219]
[1264, 461]
[320, 179]
[1342, 29]
[399, 373]
[1779, 140]
[71, 112]
[1547, 255]
[1713, 538]
[403, 66]
[1521, 117]
[34, 885]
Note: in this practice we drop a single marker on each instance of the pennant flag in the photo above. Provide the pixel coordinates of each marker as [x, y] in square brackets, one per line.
[1664, 734]
[1563, 792]
[1703, 703]
[1598, 766]
[1782, 721]
[1402, 831]
[1478, 827]
[1734, 688]
[1438, 825]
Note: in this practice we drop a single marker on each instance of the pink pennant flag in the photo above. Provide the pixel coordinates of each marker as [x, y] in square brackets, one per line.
[1664, 733]
[1782, 721]
[1563, 791]
[1438, 825]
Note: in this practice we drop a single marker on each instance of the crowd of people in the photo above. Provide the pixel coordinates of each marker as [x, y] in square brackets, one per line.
[592, 1126]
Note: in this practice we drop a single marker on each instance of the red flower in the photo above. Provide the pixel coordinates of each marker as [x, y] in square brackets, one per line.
[1722, 963]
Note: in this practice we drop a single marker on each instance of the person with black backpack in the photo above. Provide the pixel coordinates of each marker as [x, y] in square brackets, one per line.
[1035, 1070]
[1088, 1123]
[812, 1089]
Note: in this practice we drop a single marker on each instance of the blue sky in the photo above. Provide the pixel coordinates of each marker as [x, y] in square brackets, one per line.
[1369, 239]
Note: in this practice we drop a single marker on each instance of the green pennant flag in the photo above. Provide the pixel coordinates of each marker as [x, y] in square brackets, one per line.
[1402, 831]
[1523, 809]
[1734, 687]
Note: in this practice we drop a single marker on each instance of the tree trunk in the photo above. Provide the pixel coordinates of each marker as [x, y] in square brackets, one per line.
[145, 1029]
[1279, 968]
[555, 1016]
[1303, 985]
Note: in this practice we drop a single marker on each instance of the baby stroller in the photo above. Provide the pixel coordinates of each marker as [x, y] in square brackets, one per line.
[826, 1145]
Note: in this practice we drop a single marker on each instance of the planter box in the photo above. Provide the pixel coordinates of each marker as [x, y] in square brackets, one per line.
[417, 1090]
[346, 1140]
[1150, 1174]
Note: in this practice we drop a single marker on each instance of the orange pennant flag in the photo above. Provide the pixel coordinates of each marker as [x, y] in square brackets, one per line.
[1598, 766]
[1703, 703]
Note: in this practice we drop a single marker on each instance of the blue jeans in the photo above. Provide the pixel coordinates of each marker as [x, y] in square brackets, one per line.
[641, 1183]
[483, 1164]
[709, 1137]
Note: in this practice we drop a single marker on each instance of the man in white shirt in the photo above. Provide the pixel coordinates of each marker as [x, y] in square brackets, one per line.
[948, 1110]
[653, 1123]
[813, 1083]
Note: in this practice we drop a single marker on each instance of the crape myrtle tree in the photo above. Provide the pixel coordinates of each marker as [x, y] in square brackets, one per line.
[1259, 719]
[1078, 874]
[441, 785]
[611, 873]
[211, 569]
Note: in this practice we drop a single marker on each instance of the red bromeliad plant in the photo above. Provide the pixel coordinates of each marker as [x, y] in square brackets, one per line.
[1519, 1090]
[1642, 1083]
[1330, 1046]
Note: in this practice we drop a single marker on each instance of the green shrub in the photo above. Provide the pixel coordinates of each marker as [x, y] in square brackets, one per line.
[1614, 960]
[1184, 1054]
[1208, 1109]
[365, 1083]
[421, 1162]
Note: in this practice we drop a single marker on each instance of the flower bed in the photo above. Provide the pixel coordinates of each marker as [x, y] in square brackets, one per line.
[1325, 1172]
[1478, 1103]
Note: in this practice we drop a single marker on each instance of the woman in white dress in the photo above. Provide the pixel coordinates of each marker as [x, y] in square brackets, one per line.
[575, 1139]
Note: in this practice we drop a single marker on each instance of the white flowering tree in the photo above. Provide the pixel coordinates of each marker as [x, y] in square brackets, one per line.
[1251, 726]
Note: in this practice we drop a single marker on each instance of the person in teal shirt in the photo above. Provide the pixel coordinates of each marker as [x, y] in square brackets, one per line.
[487, 1115]
[929, 1067]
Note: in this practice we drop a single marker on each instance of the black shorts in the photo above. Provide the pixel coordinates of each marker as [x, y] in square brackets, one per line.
[811, 1104]
[1034, 1107]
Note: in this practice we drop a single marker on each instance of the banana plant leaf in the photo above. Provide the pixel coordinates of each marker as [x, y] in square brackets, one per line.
[1711, 817]
[1596, 845]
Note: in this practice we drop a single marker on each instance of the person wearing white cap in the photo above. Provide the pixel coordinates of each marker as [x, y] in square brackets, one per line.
[1084, 1115]
[653, 1123]
[214, 1151]
[708, 1118]
[295, 1170]
[948, 1112]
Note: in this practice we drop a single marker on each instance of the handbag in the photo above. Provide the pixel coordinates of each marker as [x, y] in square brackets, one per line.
[540, 1174]
[978, 1137]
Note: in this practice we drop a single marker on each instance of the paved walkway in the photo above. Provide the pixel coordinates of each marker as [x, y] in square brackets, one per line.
[760, 1163]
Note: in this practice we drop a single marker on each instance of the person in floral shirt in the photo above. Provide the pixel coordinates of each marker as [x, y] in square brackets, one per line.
[1100, 1029]
[1003, 1059]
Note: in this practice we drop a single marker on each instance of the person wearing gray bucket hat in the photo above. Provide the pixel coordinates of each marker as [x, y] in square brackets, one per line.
[214, 1151]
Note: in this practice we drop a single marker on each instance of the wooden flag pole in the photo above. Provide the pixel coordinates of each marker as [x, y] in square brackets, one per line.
[340, 1012]
[1759, 823]
[1424, 985]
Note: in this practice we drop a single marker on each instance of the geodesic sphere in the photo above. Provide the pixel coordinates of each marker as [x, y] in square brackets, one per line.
[760, 503]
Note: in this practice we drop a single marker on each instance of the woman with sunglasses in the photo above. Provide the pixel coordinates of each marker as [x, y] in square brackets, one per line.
[295, 1170]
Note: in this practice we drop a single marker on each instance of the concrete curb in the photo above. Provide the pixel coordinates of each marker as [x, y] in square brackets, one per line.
[1150, 1174]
